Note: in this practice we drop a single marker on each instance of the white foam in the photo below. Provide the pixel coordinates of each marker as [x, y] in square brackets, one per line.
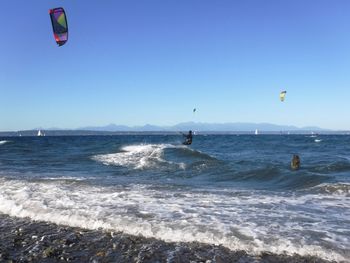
[3, 142]
[139, 156]
[254, 222]
[341, 189]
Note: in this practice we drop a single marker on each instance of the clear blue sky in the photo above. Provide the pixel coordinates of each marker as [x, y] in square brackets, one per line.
[137, 62]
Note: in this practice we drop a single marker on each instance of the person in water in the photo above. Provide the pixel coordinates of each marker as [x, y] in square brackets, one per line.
[188, 136]
[295, 163]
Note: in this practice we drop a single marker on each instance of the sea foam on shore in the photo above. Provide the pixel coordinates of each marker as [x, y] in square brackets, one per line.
[26, 240]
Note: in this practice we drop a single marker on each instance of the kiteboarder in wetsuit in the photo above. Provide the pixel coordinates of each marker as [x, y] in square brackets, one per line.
[188, 140]
[295, 163]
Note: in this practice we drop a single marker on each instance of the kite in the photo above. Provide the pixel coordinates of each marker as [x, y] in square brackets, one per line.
[59, 25]
[282, 95]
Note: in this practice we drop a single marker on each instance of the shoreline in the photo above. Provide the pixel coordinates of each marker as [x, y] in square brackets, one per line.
[23, 240]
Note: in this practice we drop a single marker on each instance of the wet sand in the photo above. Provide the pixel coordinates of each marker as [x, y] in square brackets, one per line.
[23, 240]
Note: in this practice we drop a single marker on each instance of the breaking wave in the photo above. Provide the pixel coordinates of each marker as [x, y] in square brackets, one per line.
[338, 189]
[145, 156]
[139, 156]
[242, 220]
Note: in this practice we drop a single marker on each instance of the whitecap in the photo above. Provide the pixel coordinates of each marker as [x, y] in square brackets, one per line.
[140, 156]
[340, 189]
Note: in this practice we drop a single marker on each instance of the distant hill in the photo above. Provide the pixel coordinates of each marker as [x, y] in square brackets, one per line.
[210, 127]
[219, 128]
[110, 127]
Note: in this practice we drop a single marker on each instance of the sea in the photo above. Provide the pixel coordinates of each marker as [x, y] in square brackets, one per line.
[237, 191]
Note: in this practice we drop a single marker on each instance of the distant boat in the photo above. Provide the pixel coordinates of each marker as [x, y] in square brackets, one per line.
[256, 132]
[40, 133]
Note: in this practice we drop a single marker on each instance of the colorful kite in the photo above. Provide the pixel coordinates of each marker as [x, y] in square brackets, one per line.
[59, 25]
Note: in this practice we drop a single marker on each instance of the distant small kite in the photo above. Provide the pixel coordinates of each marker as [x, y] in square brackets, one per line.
[283, 95]
[194, 110]
[59, 25]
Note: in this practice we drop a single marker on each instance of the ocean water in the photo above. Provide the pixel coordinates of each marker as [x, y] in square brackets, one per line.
[234, 190]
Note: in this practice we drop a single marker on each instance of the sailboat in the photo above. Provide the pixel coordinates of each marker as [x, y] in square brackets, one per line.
[256, 132]
[40, 133]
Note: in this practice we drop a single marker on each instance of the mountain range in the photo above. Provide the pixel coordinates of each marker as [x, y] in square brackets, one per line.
[198, 126]
[209, 128]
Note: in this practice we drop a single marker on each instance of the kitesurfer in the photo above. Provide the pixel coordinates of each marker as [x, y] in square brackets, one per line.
[295, 163]
[188, 140]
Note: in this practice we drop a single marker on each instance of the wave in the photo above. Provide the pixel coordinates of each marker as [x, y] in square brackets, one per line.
[331, 167]
[3, 142]
[338, 189]
[277, 176]
[138, 156]
[192, 153]
[344, 157]
[145, 156]
[250, 221]
[264, 174]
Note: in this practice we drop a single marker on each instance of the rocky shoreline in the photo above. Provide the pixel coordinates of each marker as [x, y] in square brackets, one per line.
[23, 240]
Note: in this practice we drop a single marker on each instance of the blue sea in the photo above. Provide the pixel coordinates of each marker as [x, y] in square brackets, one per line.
[237, 191]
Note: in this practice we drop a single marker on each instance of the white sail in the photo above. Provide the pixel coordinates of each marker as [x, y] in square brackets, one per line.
[40, 133]
[256, 132]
